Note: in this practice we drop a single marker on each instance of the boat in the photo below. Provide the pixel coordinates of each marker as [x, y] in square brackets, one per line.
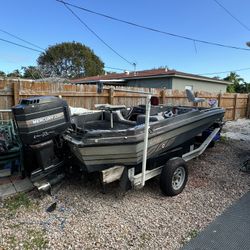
[99, 145]
[130, 144]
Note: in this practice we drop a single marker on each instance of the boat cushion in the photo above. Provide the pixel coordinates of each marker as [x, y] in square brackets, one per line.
[152, 118]
[118, 117]
[78, 121]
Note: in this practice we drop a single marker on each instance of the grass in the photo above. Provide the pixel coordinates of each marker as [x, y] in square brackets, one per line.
[31, 239]
[144, 238]
[14, 226]
[191, 234]
[12, 241]
[35, 240]
[17, 201]
[223, 139]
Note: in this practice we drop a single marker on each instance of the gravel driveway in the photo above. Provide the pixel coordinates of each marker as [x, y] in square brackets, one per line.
[140, 219]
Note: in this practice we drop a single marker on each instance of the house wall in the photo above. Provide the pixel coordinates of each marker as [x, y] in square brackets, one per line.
[180, 83]
[177, 84]
[151, 83]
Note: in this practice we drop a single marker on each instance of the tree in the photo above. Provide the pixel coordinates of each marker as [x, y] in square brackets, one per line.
[2, 74]
[244, 88]
[216, 77]
[15, 74]
[31, 72]
[70, 59]
[236, 80]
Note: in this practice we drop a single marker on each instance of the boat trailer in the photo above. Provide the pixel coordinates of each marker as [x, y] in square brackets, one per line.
[175, 181]
[45, 156]
[136, 179]
[173, 174]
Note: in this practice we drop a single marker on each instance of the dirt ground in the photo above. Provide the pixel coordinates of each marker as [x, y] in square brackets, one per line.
[81, 217]
[84, 218]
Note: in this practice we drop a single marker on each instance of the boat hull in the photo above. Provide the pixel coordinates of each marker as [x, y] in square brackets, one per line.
[102, 153]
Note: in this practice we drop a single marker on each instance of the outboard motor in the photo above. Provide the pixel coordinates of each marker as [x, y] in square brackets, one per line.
[40, 122]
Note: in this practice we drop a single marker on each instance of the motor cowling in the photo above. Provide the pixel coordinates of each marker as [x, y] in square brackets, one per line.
[40, 123]
[40, 119]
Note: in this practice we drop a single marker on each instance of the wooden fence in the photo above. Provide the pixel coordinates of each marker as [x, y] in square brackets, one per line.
[11, 91]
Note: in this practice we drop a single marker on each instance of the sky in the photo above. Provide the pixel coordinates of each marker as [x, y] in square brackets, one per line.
[48, 22]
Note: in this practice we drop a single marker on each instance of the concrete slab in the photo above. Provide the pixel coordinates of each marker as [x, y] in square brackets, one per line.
[15, 177]
[23, 185]
[229, 231]
[5, 172]
[7, 190]
[4, 180]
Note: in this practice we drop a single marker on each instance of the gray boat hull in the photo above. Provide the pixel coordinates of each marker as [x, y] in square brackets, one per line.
[125, 147]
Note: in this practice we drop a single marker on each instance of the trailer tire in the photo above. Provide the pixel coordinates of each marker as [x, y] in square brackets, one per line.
[173, 177]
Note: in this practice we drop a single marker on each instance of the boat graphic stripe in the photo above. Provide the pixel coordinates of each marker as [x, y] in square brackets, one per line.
[40, 120]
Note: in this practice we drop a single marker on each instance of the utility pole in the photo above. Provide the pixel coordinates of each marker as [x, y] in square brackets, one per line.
[134, 64]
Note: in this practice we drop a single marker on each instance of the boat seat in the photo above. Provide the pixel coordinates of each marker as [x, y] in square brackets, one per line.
[78, 121]
[182, 110]
[192, 98]
[109, 107]
[118, 117]
[153, 118]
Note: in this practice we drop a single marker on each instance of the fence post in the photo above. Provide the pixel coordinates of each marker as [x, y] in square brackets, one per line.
[16, 88]
[235, 106]
[248, 107]
[111, 95]
[219, 100]
[163, 96]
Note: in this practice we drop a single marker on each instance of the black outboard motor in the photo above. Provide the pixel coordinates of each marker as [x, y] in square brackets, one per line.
[41, 122]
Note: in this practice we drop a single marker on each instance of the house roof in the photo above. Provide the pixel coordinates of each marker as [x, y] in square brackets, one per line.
[146, 74]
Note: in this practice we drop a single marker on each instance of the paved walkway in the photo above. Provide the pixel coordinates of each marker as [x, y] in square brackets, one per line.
[229, 231]
[14, 184]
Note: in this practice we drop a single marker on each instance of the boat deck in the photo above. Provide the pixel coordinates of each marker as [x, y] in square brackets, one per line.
[105, 125]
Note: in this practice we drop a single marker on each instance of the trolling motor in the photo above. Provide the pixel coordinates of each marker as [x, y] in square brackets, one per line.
[40, 122]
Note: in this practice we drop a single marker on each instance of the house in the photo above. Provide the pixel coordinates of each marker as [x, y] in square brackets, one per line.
[159, 78]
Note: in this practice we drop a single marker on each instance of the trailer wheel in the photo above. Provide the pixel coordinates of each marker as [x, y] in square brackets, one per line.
[173, 177]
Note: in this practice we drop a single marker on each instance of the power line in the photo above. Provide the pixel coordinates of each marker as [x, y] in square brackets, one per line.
[230, 14]
[223, 72]
[37, 72]
[107, 67]
[23, 46]
[20, 45]
[21, 39]
[40, 73]
[95, 34]
[154, 29]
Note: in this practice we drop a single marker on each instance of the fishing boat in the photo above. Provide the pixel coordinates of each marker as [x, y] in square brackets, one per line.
[130, 144]
[99, 141]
